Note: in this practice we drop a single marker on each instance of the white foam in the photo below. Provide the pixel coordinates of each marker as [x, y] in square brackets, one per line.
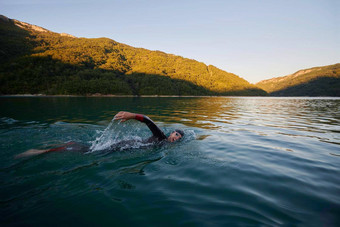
[107, 138]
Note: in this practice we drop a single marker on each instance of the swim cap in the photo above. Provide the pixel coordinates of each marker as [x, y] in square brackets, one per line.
[180, 132]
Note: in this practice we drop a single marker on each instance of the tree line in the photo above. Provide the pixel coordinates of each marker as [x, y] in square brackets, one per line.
[48, 63]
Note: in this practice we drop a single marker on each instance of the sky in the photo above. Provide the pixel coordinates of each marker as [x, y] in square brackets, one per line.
[254, 39]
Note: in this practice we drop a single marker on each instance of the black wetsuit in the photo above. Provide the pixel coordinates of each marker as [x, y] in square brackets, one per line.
[158, 136]
[157, 133]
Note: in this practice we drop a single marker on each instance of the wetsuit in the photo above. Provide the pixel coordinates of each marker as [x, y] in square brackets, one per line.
[157, 133]
[71, 146]
[157, 136]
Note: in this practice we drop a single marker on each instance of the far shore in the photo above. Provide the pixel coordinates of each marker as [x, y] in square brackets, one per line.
[101, 95]
[162, 96]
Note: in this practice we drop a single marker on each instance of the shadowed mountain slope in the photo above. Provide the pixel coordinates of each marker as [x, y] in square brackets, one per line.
[317, 81]
[36, 60]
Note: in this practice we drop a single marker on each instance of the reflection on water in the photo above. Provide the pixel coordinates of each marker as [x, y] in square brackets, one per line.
[244, 161]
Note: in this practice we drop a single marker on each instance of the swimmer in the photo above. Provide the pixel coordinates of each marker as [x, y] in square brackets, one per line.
[158, 136]
[157, 133]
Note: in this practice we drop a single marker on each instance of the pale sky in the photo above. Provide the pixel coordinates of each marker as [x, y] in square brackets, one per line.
[254, 39]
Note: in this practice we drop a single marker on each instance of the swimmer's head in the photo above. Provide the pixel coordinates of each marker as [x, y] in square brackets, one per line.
[176, 135]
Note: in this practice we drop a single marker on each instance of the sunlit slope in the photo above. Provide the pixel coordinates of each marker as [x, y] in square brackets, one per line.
[317, 81]
[36, 60]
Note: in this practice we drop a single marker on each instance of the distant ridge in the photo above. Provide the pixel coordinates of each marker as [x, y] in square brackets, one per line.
[28, 26]
[316, 81]
[35, 60]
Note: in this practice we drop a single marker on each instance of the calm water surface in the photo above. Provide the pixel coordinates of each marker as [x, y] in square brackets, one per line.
[243, 161]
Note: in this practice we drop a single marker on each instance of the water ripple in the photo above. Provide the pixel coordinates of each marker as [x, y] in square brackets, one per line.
[243, 162]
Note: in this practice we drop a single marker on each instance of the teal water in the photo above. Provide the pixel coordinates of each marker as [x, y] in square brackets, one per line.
[243, 162]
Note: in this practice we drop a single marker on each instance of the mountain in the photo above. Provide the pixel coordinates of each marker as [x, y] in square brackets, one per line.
[317, 81]
[35, 60]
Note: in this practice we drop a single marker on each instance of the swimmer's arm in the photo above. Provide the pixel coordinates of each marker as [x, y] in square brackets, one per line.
[157, 132]
[124, 116]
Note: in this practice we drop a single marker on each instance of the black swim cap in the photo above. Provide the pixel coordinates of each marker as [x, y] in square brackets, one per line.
[180, 132]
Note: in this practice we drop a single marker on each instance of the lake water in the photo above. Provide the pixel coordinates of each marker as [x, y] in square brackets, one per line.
[243, 161]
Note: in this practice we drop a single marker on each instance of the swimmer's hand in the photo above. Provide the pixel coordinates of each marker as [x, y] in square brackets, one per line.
[124, 116]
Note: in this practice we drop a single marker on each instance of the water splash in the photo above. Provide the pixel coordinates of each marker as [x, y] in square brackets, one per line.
[109, 136]
[118, 136]
[189, 135]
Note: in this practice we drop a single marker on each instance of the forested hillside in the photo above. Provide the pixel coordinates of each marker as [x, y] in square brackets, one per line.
[317, 81]
[34, 60]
